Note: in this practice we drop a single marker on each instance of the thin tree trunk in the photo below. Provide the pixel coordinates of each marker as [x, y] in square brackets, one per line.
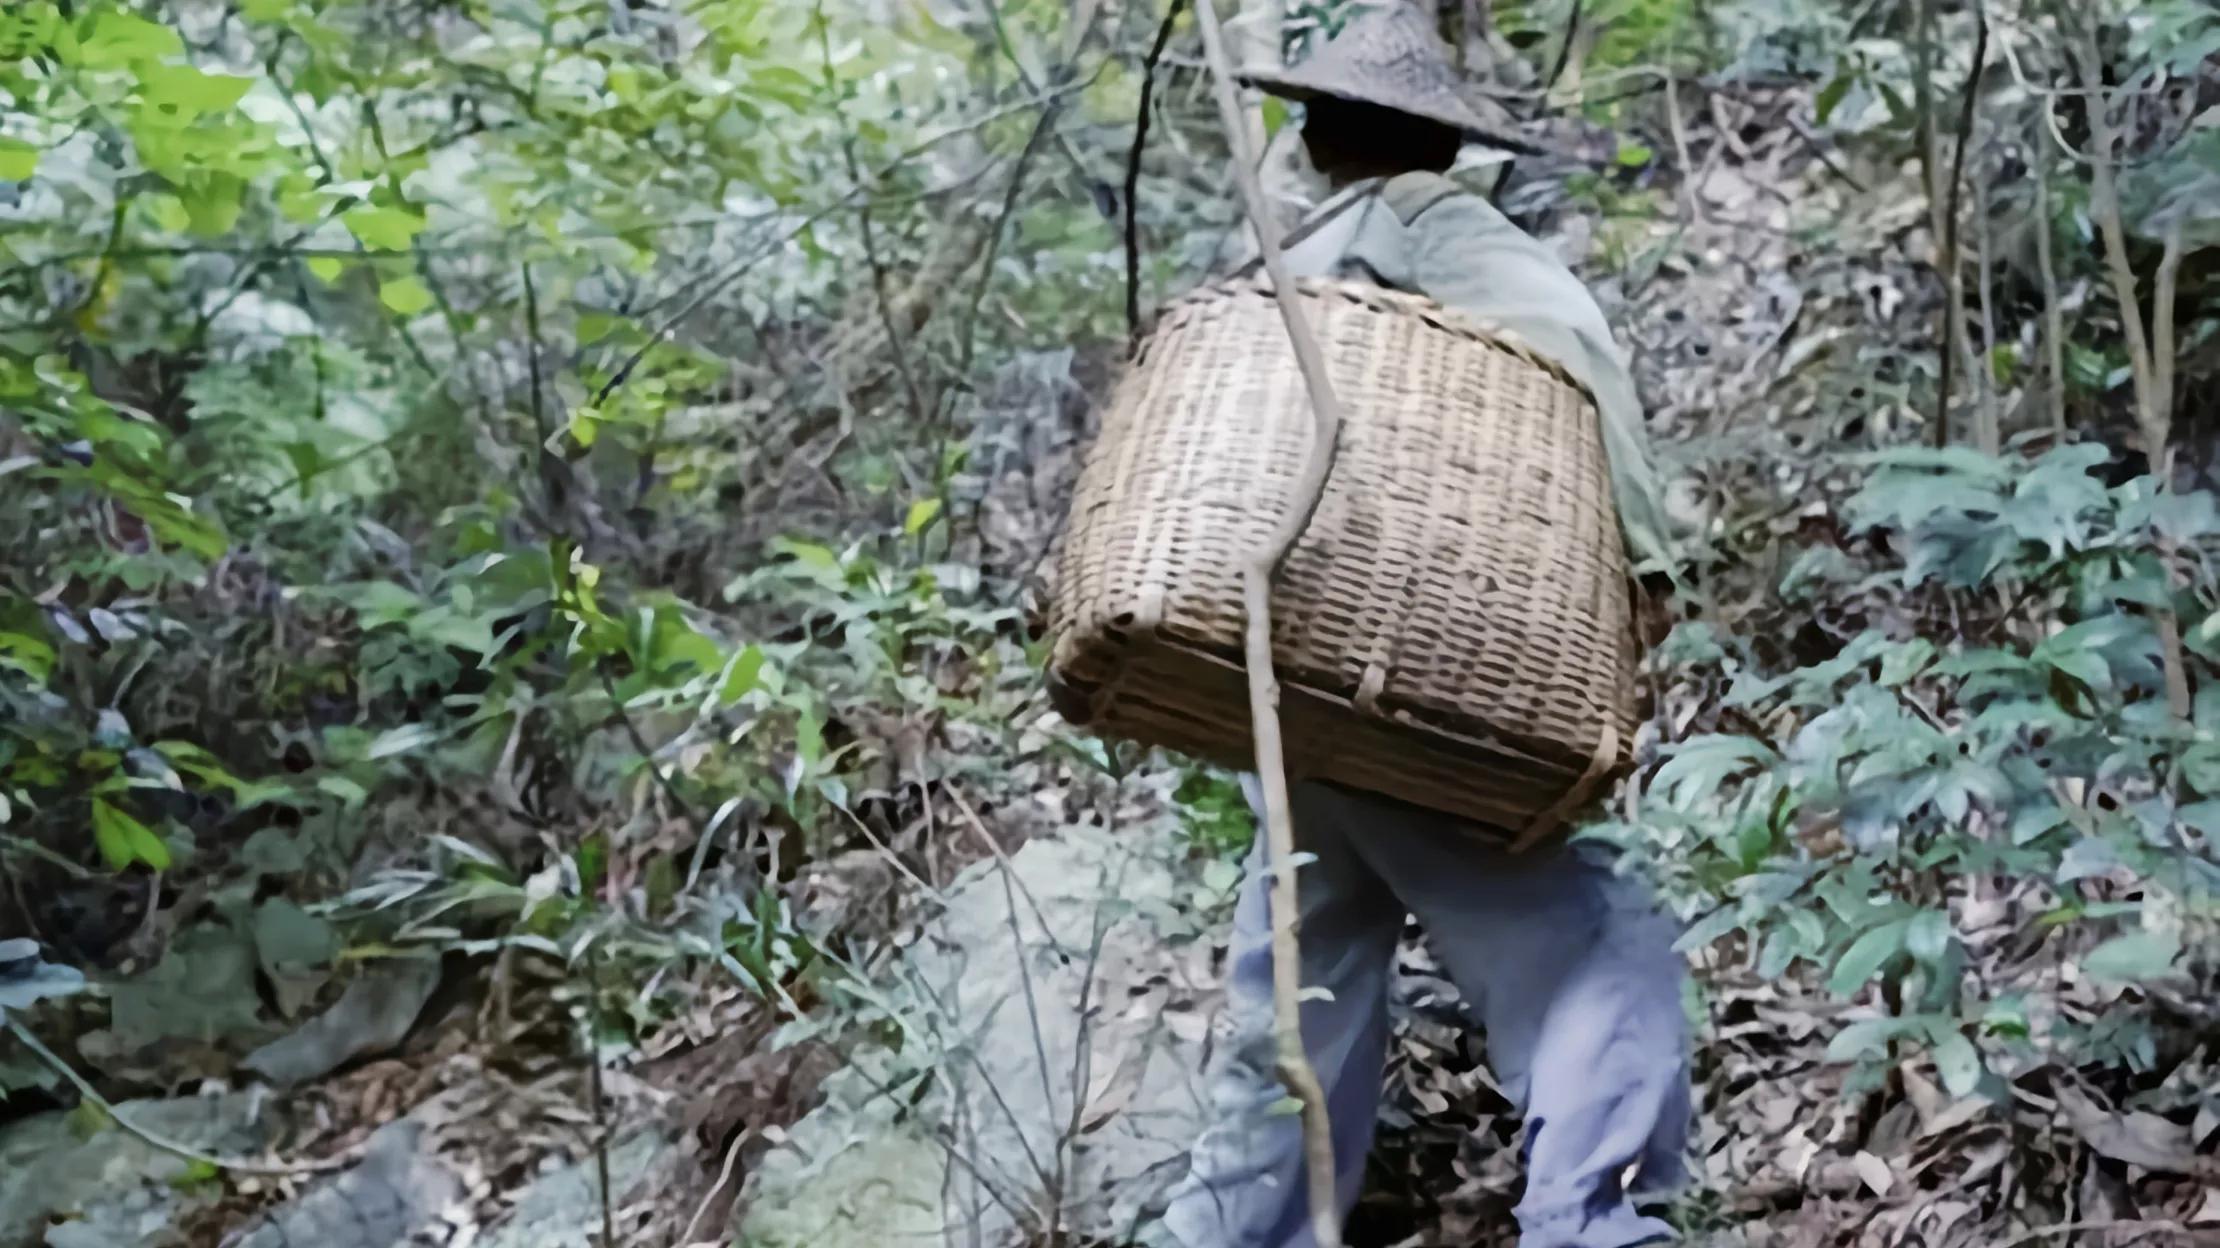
[2153, 381]
[2054, 333]
[1989, 433]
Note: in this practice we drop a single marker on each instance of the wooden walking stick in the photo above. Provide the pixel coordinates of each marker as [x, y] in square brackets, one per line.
[1256, 591]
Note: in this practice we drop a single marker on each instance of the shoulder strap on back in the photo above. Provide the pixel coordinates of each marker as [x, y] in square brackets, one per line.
[1411, 194]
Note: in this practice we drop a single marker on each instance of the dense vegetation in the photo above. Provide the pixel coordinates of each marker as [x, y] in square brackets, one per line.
[527, 504]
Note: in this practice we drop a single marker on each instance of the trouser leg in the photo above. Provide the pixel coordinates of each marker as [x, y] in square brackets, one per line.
[1246, 1186]
[1571, 970]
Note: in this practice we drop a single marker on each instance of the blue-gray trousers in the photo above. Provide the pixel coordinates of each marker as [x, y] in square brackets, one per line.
[1568, 966]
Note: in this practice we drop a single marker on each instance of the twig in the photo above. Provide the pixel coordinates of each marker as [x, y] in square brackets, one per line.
[1694, 205]
[714, 284]
[600, 1099]
[1082, 1060]
[1042, 128]
[724, 1176]
[321, 1165]
[1564, 50]
[543, 457]
[1818, 149]
[1133, 175]
[639, 742]
[2169, 1229]
[1025, 974]
[1294, 1061]
[895, 345]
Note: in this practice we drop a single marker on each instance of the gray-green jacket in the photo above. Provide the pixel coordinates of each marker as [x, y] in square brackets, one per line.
[1422, 233]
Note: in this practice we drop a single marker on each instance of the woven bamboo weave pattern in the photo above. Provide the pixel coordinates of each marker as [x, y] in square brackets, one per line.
[1454, 628]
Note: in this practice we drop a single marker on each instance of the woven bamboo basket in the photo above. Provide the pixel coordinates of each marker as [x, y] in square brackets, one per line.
[1454, 628]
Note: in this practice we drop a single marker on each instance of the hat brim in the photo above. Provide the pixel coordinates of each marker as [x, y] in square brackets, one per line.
[1293, 84]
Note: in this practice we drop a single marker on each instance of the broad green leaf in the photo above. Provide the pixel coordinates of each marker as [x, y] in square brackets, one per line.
[1635, 155]
[327, 268]
[1866, 956]
[1708, 929]
[386, 229]
[1865, 1038]
[405, 295]
[189, 91]
[119, 38]
[123, 840]
[2133, 958]
[288, 937]
[1959, 1063]
[18, 160]
[1929, 937]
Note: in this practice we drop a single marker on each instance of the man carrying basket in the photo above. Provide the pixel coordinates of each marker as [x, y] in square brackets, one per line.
[1569, 967]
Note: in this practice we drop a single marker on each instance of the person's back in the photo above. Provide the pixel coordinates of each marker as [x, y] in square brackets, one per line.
[1569, 968]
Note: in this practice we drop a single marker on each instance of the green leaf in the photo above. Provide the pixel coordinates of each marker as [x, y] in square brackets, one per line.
[190, 92]
[742, 677]
[123, 840]
[1698, 767]
[1635, 155]
[327, 268]
[18, 160]
[212, 202]
[1959, 1063]
[29, 655]
[386, 229]
[149, 848]
[119, 38]
[1830, 96]
[2134, 957]
[405, 295]
[1275, 115]
[922, 513]
[1865, 1038]
[287, 937]
[1866, 956]
[1929, 937]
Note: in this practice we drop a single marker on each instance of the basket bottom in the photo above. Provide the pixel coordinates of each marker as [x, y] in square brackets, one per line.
[1168, 695]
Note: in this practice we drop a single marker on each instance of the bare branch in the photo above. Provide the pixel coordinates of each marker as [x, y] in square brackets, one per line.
[1256, 581]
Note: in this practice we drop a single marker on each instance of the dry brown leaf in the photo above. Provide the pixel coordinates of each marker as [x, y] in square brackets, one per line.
[2137, 1138]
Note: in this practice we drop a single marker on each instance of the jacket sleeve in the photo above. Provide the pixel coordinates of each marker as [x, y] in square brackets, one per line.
[1464, 254]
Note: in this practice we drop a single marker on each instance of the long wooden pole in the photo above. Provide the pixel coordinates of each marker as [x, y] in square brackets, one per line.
[1256, 591]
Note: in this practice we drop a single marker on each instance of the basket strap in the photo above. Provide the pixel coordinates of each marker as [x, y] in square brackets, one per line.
[1411, 194]
[1318, 221]
[1599, 766]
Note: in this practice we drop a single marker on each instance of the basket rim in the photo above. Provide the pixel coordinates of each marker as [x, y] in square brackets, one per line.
[1378, 298]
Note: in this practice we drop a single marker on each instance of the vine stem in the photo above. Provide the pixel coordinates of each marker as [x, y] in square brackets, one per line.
[1295, 1069]
[235, 1165]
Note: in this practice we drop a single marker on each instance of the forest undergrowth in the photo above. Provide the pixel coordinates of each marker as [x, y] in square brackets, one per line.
[514, 630]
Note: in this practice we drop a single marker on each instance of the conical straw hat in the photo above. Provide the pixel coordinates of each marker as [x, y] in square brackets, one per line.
[1389, 56]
